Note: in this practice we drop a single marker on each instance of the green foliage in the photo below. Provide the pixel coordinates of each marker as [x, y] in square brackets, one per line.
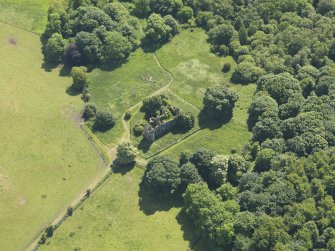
[54, 49]
[219, 102]
[246, 73]
[79, 78]
[116, 47]
[162, 176]
[185, 14]
[263, 159]
[188, 175]
[157, 30]
[126, 153]
[90, 110]
[185, 121]
[152, 105]
[104, 119]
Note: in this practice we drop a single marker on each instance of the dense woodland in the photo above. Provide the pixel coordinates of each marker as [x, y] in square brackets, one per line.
[278, 193]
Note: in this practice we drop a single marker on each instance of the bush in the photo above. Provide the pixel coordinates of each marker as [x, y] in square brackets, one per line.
[104, 119]
[69, 211]
[138, 128]
[185, 121]
[152, 105]
[226, 67]
[90, 110]
[127, 115]
[80, 78]
[126, 153]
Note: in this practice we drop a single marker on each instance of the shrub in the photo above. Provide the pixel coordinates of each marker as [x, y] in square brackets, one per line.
[90, 110]
[138, 128]
[126, 153]
[226, 67]
[152, 105]
[127, 115]
[80, 78]
[104, 119]
[69, 211]
[185, 121]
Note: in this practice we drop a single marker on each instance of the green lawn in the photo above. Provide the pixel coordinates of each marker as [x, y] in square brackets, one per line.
[124, 87]
[45, 159]
[113, 220]
[192, 65]
[27, 14]
[222, 138]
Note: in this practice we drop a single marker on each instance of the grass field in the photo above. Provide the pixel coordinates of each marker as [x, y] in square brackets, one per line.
[192, 65]
[27, 14]
[124, 87]
[45, 159]
[112, 219]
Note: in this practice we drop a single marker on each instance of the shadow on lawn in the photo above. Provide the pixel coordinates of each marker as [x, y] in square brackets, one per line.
[150, 204]
[122, 169]
[189, 234]
[212, 123]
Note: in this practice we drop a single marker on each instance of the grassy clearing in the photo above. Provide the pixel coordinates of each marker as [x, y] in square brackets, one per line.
[27, 14]
[45, 158]
[169, 139]
[192, 65]
[222, 138]
[124, 87]
[112, 220]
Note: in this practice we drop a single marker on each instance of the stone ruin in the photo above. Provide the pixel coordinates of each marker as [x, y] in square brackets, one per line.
[157, 128]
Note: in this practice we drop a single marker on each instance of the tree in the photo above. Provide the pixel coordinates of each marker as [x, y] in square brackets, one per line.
[202, 160]
[89, 46]
[165, 7]
[162, 176]
[227, 192]
[262, 103]
[218, 170]
[188, 175]
[126, 153]
[54, 49]
[156, 29]
[221, 34]
[152, 105]
[281, 87]
[90, 110]
[142, 7]
[172, 24]
[246, 73]
[270, 232]
[236, 167]
[116, 47]
[263, 159]
[219, 102]
[325, 6]
[80, 78]
[104, 119]
[72, 55]
[185, 14]
[185, 121]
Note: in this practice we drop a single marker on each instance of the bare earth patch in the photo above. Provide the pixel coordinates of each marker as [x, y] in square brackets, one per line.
[12, 41]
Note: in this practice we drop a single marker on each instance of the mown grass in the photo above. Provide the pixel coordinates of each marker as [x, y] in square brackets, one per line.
[163, 142]
[45, 158]
[27, 14]
[112, 219]
[124, 87]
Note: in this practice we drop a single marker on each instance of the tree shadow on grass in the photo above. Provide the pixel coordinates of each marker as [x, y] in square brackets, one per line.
[149, 46]
[150, 203]
[144, 145]
[212, 123]
[122, 169]
[189, 233]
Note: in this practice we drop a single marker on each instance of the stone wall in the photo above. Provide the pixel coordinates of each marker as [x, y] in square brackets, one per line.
[152, 133]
